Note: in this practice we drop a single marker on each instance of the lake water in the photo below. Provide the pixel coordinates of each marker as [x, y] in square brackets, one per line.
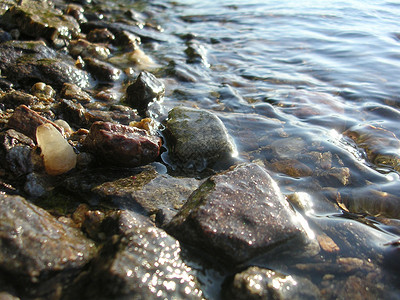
[311, 89]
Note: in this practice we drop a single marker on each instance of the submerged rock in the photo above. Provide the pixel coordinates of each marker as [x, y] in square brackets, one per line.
[198, 138]
[147, 265]
[256, 283]
[146, 88]
[58, 155]
[237, 215]
[122, 145]
[36, 248]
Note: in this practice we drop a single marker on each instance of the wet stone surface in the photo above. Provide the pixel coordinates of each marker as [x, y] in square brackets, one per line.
[238, 215]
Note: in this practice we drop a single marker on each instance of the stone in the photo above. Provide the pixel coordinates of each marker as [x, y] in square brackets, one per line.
[86, 49]
[40, 19]
[146, 88]
[28, 62]
[100, 35]
[13, 99]
[197, 138]
[58, 155]
[43, 91]
[122, 145]
[73, 92]
[35, 248]
[102, 71]
[147, 265]
[238, 215]
[257, 283]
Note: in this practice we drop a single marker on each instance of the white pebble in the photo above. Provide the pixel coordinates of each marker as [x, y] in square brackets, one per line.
[58, 156]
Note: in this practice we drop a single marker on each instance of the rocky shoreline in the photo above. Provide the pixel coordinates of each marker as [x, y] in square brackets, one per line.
[104, 197]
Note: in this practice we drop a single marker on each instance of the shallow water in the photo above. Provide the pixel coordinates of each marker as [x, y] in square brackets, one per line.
[310, 89]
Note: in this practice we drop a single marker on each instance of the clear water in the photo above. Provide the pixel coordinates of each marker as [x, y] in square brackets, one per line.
[294, 81]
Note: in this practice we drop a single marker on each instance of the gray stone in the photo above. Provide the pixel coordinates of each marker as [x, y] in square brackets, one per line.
[238, 215]
[35, 247]
[198, 138]
[257, 283]
[147, 265]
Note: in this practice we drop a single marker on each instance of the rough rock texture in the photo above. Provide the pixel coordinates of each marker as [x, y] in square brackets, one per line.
[237, 215]
[256, 283]
[198, 138]
[122, 145]
[147, 265]
[146, 88]
[41, 19]
[102, 71]
[29, 62]
[148, 191]
[35, 247]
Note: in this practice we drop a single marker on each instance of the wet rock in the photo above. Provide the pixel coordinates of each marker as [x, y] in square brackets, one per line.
[198, 138]
[147, 191]
[77, 12]
[58, 155]
[196, 53]
[43, 91]
[137, 57]
[102, 71]
[100, 35]
[237, 215]
[40, 253]
[41, 19]
[256, 283]
[73, 112]
[290, 167]
[86, 49]
[112, 116]
[13, 98]
[37, 185]
[146, 265]
[146, 88]
[27, 121]
[128, 40]
[28, 62]
[74, 92]
[122, 145]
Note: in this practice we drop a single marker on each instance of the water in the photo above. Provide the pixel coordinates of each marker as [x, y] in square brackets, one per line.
[311, 89]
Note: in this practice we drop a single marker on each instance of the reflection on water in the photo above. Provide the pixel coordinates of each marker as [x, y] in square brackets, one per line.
[311, 89]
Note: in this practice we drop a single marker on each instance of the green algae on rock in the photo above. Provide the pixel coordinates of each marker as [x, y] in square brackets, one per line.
[197, 138]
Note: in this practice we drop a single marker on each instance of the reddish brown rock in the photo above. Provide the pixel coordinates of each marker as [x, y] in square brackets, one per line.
[122, 145]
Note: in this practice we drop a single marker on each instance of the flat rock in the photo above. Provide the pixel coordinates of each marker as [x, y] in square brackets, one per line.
[257, 283]
[35, 247]
[237, 215]
[122, 145]
[29, 62]
[147, 265]
[198, 138]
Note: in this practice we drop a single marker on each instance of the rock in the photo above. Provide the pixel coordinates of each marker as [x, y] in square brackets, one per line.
[147, 191]
[27, 121]
[198, 138]
[73, 112]
[43, 91]
[28, 62]
[128, 40]
[146, 265]
[58, 155]
[122, 145]
[77, 12]
[13, 98]
[256, 283]
[146, 88]
[196, 53]
[40, 253]
[73, 92]
[40, 19]
[100, 35]
[238, 215]
[102, 71]
[86, 49]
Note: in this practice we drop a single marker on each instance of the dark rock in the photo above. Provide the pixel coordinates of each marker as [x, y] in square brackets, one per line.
[102, 71]
[102, 35]
[128, 40]
[36, 248]
[196, 53]
[73, 112]
[122, 145]
[29, 62]
[148, 191]
[146, 88]
[13, 98]
[37, 185]
[43, 91]
[77, 12]
[41, 19]
[146, 265]
[237, 215]
[256, 283]
[123, 118]
[197, 138]
[26, 121]
[5, 36]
